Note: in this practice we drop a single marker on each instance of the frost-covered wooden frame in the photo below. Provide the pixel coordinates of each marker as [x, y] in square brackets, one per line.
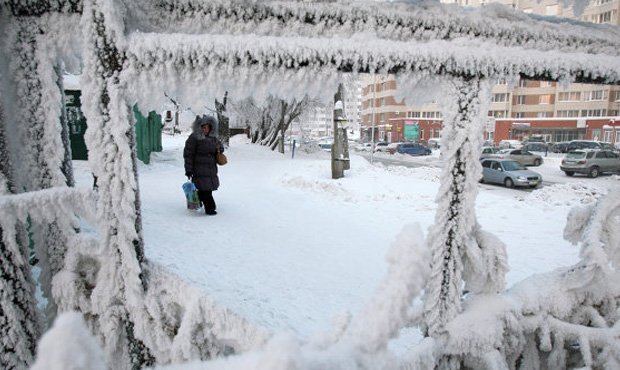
[132, 51]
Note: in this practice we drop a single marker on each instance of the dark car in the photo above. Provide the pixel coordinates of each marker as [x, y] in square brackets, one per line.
[413, 149]
[559, 147]
[535, 146]
[509, 173]
[590, 162]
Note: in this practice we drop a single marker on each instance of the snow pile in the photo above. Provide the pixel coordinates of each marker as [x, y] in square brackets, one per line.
[567, 195]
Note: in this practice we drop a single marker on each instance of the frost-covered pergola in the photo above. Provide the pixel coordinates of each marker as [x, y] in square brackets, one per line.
[132, 51]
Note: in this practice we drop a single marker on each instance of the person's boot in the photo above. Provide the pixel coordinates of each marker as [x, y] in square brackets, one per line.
[210, 212]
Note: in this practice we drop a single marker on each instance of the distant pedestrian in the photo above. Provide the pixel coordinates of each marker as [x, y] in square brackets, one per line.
[199, 156]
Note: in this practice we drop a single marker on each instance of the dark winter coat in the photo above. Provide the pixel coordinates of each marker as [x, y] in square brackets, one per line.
[199, 155]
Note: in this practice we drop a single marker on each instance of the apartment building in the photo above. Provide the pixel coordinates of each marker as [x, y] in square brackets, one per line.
[319, 122]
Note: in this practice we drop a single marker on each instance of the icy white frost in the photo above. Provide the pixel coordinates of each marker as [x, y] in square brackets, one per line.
[135, 51]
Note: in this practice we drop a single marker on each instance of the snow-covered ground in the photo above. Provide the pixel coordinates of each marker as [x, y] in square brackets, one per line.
[292, 250]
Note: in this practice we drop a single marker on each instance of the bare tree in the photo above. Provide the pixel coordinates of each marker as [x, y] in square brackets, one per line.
[268, 123]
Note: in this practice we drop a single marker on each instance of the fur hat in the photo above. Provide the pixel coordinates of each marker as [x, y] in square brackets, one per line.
[204, 120]
[208, 120]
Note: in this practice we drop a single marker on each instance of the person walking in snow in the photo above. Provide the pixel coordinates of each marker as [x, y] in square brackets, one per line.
[199, 156]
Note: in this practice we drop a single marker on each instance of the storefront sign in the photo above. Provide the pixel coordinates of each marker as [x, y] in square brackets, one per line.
[412, 130]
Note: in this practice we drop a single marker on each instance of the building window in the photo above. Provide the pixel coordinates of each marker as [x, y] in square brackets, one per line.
[421, 135]
[543, 114]
[498, 113]
[519, 115]
[501, 81]
[603, 17]
[499, 98]
[617, 98]
[545, 83]
[569, 96]
[594, 112]
[437, 134]
[413, 114]
[431, 115]
[520, 99]
[544, 99]
[382, 117]
[597, 95]
[568, 113]
[522, 83]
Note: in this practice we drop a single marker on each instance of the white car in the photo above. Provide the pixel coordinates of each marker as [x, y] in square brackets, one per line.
[364, 147]
[510, 144]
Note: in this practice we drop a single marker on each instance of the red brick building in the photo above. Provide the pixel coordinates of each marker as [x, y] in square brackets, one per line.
[558, 129]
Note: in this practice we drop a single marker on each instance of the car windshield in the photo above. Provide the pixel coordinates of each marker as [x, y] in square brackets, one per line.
[513, 166]
[576, 155]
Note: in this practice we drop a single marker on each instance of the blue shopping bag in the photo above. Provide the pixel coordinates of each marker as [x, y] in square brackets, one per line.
[191, 195]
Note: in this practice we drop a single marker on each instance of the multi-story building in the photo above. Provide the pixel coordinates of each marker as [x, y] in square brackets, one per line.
[547, 109]
[319, 122]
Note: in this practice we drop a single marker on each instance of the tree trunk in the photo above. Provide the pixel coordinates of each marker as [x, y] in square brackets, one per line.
[223, 120]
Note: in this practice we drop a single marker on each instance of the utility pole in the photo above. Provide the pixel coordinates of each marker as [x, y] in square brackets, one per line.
[340, 150]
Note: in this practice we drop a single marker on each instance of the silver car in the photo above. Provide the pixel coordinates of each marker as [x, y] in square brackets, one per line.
[520, 155]
[509, 173]
[488, 151]
[590, 162]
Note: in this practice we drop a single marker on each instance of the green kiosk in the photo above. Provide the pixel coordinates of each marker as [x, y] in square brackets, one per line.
[148, 129]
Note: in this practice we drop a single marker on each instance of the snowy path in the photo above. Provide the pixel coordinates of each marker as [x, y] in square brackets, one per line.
[291, 249]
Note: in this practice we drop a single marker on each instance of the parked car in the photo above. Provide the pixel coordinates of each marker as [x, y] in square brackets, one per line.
[381, 146]
[327, 147]
[488, 151]
[559, 147]
[522, 156]
[391, 148]
[510, 144]
[363, 147]
[588, 144]
[412, 149]
[590, 162]
[508, 172]
[535, 146]
[434, 143]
